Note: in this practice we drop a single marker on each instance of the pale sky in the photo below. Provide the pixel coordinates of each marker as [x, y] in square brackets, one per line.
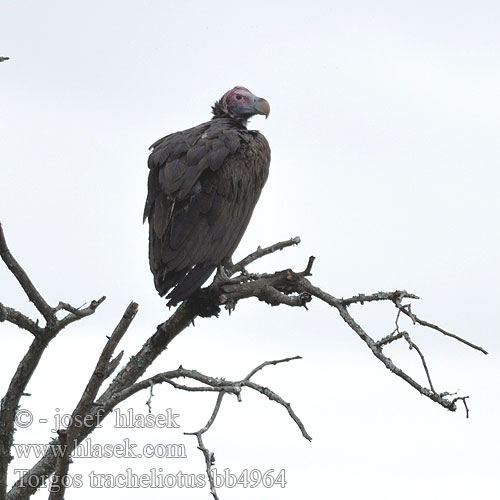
[384, 137]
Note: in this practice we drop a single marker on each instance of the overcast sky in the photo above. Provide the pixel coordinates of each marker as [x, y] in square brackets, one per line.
[384, 133]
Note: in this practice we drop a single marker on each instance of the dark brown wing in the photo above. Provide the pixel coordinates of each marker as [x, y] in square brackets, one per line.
[203, 186]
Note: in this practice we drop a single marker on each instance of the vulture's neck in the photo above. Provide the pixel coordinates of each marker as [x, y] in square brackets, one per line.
[218, 112]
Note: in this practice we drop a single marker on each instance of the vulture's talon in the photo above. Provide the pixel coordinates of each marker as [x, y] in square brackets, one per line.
[223, 275]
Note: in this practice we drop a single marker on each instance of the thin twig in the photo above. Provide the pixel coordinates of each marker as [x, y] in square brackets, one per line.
[82, 313]
[388, 339]
[148, 402]
[261, 252]
[361, 298]
[267, 363]
[274, 397]
[68, 307]
[463, 399]
[209, 456]
[415, 346]
[407, 310]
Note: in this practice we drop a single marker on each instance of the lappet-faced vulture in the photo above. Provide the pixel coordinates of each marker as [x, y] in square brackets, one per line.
[203, 185]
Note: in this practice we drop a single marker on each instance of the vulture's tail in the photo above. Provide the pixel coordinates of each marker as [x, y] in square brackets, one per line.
[187, 284]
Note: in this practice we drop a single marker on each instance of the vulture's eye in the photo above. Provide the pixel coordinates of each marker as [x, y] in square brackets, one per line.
[239, 97]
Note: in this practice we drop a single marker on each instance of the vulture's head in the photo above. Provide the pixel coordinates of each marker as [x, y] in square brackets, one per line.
[241, 104]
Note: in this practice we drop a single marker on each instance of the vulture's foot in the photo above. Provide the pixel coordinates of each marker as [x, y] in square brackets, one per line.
[223, 276]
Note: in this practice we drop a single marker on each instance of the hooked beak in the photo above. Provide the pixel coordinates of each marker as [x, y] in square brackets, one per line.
[262, 106]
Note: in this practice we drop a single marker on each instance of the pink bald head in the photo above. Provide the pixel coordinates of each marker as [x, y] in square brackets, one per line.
[240, 103]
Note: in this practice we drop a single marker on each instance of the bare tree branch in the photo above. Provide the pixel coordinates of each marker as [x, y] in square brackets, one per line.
[17, 387]
[58, 487]
[213, 384]
[104, 368]
[19, 319]
[282, 287]
[23, 279]
[221, 386]
[376, 347]
[294, 289]
[128, 375]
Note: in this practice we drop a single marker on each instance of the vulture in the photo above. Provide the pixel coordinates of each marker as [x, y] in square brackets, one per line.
[203, 185]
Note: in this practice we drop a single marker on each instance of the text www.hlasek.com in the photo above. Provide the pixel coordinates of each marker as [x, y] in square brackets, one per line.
[156, 478]
[87, 449]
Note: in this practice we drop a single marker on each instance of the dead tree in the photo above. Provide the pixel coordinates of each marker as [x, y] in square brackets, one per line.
[285, 287]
